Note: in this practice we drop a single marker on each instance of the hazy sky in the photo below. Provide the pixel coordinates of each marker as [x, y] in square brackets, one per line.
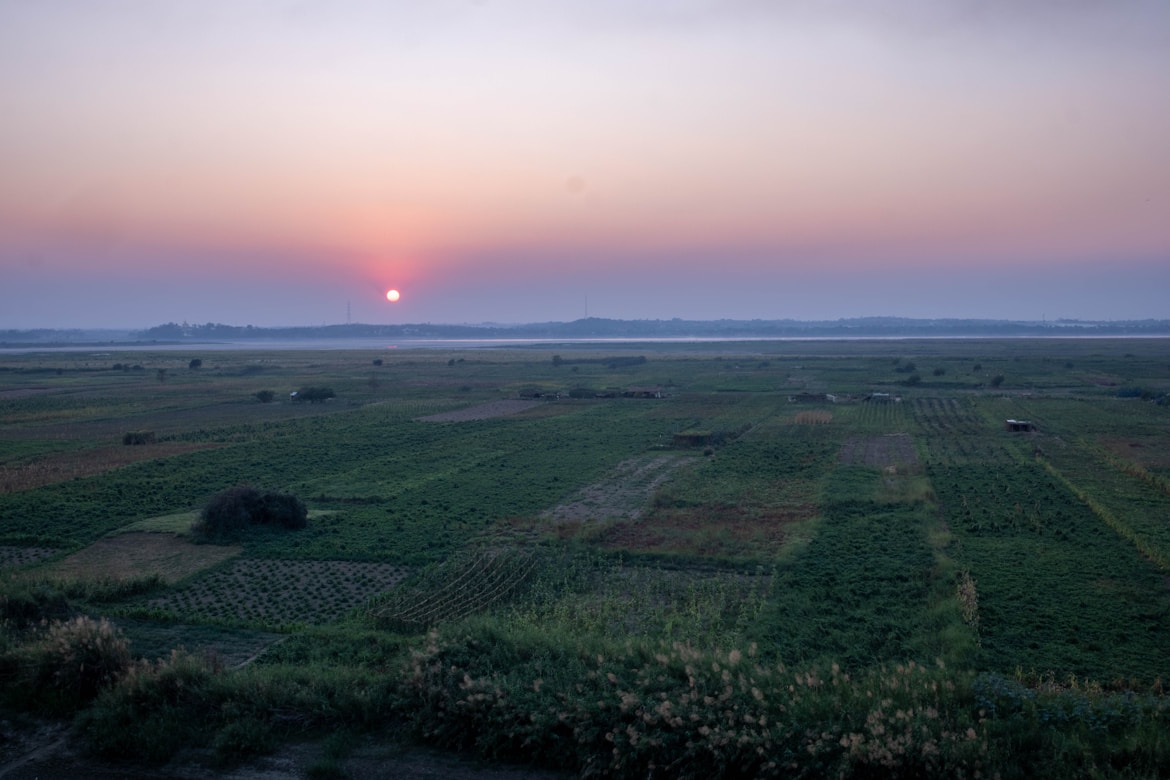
[271, 163]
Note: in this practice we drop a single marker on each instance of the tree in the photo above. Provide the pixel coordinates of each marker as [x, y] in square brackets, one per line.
[997, 380]
[264, 396]
[314, 395]
[195, 364]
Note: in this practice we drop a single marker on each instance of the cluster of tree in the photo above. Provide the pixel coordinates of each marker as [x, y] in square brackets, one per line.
[619, 361]
[233, 510]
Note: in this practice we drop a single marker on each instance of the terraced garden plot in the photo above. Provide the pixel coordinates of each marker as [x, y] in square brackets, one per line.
[58, 467]
[890, 450]
[278, 593]
[714, 531]
[11, 556]
[623, 494]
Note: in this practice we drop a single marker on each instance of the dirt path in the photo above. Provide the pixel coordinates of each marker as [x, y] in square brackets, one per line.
[51, 750]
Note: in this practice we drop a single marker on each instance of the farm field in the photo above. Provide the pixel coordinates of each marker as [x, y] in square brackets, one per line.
[803, 558]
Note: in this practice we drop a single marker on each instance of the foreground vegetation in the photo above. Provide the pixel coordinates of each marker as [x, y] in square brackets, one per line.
[744, 577]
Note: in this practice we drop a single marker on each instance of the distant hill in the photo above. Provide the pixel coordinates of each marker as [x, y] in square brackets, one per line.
[595, 327]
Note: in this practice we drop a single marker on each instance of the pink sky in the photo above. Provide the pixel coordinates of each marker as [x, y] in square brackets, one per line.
[272, 163]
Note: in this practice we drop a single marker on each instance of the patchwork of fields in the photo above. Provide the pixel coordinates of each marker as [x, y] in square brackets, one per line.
[901, 522]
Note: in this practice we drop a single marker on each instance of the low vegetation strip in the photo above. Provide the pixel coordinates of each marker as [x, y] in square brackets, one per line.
[484, 411]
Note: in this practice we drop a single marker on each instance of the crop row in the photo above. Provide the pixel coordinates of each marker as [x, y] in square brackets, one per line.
[587, 594]
[1135, 508]
[863, 588]
[472, 586]
[947, 416]
[1058, 590]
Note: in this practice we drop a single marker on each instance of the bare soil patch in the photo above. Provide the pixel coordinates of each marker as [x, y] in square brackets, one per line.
[132, 555]
[891, 449]
[84, 463]
[282, 592]
[716, 531]
[1148, 452]
[484, 411]
[623, 495]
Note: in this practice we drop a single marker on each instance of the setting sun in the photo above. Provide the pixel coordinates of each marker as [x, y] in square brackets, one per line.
[392, 296]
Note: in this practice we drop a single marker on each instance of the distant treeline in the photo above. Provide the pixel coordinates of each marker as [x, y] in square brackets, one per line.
[595, 327]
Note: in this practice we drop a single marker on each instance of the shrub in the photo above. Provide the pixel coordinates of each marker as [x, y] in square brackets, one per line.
[24, 604]
[231, 511]
[154, 710]
[997, 380]
[242, 739]
[132, 438]
[195, 364]
[264, 396]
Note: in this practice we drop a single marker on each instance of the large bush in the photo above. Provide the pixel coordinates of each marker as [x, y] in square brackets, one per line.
[65, 665]
[235, 509]
[313, 395]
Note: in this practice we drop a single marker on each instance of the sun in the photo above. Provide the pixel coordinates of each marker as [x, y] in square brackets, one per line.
[393, 296]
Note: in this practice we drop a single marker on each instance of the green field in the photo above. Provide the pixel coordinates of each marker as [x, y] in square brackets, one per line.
[805, 558]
